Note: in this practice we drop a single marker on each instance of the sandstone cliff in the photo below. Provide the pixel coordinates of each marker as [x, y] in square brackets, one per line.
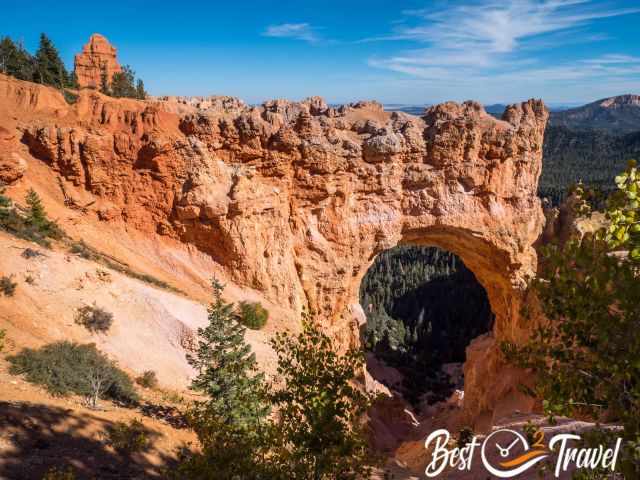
[295, 200]
[98, 56]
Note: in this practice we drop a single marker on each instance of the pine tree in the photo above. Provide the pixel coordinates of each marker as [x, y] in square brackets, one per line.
[36, 215]
[5, 207]
[227, 369]
[50, 69]
[140, 91]
[73, 80]
[104, 81]
[8, 52]
[36, 218]
[15, 60]
[231, 423]
[122, 83]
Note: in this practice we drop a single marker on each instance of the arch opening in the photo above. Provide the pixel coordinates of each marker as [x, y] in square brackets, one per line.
[423, 307]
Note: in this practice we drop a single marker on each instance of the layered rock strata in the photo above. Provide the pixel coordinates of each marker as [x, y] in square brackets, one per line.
[297, 199]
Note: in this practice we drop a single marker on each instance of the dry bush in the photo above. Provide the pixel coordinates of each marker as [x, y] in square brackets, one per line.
[94, 318]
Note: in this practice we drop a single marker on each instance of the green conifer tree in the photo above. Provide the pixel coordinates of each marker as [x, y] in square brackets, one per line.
[36, 218]
[36, 214]
[104, 81]
[227, 369]
[5, 207]
[50, 69]
[123, 83]
[231, 423]
[140, 91]
[15, 60]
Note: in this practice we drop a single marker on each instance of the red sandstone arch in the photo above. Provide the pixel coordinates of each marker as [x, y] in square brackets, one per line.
[296, 199]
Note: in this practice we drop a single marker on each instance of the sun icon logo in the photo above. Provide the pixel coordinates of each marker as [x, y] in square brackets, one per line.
[507, 453]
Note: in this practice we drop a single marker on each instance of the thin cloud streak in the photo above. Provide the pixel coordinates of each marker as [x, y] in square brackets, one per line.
[499, 42]
[298, 31]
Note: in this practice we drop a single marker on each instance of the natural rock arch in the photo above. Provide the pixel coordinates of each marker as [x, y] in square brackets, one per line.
[296, 199]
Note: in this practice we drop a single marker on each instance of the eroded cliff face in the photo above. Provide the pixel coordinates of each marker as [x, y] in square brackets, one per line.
[98, 58]
[296, 199]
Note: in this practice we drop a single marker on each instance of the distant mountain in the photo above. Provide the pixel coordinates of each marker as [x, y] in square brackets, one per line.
[412, 109]
[497, 109]
[616, 115]
[591, 143]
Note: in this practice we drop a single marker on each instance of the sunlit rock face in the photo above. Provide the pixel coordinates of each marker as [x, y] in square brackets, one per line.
[97, 59]
[297, 199]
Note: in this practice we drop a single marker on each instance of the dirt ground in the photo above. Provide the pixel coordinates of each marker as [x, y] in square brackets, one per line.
[38, 432]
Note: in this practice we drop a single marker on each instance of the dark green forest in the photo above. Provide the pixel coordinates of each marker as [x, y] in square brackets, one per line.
[423, 307]
[594, 157]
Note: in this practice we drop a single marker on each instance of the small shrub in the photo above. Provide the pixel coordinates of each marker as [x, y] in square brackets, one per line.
[128, 438]
[148, 379]
[30, 279]
[55, 473]
[65, 367]
[95, 319]
[7, 286]
[171, 396]
[83, 250]
[252, 315]
[3, 334]
[530, 430]
[30, 253]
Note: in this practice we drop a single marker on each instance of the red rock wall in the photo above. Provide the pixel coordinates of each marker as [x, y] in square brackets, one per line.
[97, 56]
[296, 199]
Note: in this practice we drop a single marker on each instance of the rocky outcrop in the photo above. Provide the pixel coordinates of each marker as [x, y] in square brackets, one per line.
[297, 199]
[98, 57]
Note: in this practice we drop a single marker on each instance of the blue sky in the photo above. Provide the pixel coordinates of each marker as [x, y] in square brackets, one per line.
[409, 52]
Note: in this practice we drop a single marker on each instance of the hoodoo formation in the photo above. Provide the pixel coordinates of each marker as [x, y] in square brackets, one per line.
[295, 200]
[97, 59]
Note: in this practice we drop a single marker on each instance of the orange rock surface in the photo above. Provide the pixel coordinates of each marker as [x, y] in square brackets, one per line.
[295, 200]
[97, 56]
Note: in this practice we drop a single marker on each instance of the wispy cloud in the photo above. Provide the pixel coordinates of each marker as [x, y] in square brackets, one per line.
[298, 31]
[501, 41]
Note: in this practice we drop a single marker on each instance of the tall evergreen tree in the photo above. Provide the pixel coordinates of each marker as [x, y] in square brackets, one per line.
[36, 215]
[50, 69]
[104, 81]
[140, 91]
[227, 369]
[231, 423]
[5, 207]
[123, 83]
[15, 60]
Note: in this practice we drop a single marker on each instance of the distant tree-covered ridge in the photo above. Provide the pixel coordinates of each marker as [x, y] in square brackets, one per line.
[592, 156]
[46, 67]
